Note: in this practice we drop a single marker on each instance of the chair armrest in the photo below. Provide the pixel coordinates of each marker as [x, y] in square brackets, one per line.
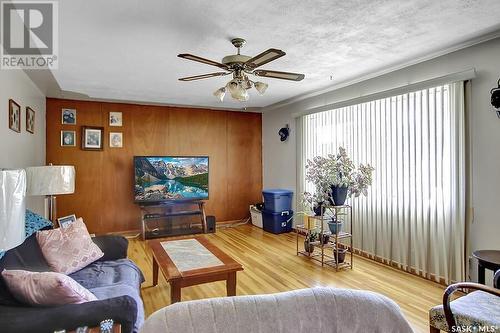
[496, 279]
[450, 319]
[121, 309]
[114, 247]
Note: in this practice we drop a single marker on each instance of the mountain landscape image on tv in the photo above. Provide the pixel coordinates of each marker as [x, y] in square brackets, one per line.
[167, 178]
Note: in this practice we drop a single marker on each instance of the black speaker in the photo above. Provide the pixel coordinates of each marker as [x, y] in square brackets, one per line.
[210, 224]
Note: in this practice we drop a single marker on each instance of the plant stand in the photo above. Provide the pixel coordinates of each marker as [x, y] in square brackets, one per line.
[341, 240]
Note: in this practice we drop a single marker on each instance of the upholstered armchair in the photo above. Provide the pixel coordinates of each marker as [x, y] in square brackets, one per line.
[479, 309]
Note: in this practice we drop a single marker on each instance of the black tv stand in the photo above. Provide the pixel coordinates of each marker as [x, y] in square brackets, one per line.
[173, 219]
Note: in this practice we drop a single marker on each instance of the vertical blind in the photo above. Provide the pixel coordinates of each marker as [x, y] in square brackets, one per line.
[414, 214]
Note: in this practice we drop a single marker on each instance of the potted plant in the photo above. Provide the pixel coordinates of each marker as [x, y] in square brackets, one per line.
[337, 177]
[324, 238]
[312, 236]
[335, 225]
[341, 255]
[315, 202]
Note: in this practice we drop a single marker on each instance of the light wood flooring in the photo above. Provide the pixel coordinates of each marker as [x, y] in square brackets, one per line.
[271, 265]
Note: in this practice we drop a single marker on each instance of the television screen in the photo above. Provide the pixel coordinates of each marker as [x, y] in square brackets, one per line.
[164, 178]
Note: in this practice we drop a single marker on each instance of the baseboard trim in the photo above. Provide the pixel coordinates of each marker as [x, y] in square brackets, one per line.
[395, 265]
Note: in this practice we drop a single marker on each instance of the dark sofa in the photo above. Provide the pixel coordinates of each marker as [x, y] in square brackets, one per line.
[114, 279]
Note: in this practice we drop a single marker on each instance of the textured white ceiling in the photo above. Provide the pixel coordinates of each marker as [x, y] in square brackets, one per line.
[127, 49]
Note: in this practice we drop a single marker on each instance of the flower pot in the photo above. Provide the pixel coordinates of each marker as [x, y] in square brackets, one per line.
[319, 210]
[308, 247]
[335, 226]
[341, 255]
[324, 238]
[339, 194]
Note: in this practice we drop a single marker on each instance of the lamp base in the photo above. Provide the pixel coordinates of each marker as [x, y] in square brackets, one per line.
[52, 209]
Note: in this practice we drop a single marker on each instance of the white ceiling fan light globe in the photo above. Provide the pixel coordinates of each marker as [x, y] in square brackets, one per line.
[261, 87]
[220, 93]
[233, 87]
[247, 84]
[237, 91]
[244, 96]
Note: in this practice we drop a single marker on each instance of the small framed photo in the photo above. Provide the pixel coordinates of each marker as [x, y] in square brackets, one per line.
[68, 139]
[65, 221]
[14, 116]
[115, 119]
[92, 138]
[30, 120]
[116, 139]
[68, 116]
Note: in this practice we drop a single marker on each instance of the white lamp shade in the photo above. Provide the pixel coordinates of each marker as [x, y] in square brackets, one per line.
[50, 180]
[12, 208]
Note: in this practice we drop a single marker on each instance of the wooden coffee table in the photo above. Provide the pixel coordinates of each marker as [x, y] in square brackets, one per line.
[187, 262]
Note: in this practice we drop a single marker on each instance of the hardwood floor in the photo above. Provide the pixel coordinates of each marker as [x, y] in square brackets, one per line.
[271, 265]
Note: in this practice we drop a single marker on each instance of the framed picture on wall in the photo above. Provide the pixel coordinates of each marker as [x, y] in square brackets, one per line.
[92, 138]
[68, 116]
[30, 120]
[68, 139]
[116, 140]
[115, 119]
[14, 116]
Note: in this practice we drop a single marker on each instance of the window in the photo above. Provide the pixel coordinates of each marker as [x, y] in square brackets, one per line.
[414, 214]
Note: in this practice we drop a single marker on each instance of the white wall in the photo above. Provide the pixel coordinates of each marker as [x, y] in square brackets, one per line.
[19, 150]
[279, 159]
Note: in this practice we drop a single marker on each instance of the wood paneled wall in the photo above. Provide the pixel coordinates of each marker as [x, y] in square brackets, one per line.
[104, 179]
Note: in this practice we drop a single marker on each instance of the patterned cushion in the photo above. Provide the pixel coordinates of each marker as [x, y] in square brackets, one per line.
[46, 288]
[472, 310]
[68, 250]
[35, 222]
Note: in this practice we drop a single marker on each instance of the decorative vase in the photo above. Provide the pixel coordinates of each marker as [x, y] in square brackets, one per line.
[339, 195]
[308, 247]
[335, 226]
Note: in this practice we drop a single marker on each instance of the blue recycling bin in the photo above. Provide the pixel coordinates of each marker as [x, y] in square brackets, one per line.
[277, 200]
[277, 222]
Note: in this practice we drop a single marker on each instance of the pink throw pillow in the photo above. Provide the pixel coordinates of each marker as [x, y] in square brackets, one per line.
[47, 288]
[70, 249]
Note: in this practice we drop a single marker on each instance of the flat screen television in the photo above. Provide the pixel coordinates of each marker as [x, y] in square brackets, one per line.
[170, 178]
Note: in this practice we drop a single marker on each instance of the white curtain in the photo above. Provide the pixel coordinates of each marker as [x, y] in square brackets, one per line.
[414, 214]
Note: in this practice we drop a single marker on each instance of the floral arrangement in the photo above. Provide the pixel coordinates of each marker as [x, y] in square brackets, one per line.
[336, 170]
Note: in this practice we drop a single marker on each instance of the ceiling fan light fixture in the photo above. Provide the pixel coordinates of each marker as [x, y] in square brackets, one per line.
[240, 66]
[261, 87]
[220, 93]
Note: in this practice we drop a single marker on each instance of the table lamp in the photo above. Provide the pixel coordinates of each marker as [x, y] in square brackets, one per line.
[12, 208]
[50, 181]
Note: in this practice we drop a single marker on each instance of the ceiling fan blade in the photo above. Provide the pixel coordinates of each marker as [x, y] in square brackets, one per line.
[280, 75]
[203, 76]
[202, 60]
[263, 58]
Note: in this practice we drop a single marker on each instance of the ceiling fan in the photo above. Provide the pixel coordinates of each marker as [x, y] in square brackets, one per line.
[241, 66]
